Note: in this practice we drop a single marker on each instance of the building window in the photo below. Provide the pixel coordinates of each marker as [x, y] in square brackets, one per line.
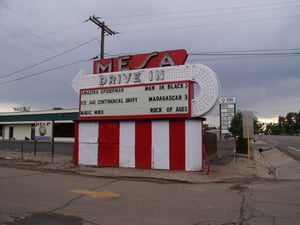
[64, 129]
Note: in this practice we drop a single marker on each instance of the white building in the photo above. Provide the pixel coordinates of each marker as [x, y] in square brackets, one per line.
[21, 125]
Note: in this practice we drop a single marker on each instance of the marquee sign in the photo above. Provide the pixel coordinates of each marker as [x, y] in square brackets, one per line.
[148, 91]
[203, 76]
[159, 100]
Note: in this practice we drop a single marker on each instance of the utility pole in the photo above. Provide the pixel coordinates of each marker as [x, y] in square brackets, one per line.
[104, 30]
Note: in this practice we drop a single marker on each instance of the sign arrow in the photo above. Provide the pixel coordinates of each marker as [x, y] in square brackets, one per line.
[207, 82]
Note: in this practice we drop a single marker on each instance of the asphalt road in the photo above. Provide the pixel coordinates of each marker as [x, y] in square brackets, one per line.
[288, 144]
[34, 197]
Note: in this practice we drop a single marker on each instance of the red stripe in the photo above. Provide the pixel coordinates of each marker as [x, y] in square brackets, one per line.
[143, 139]
[76, 144]
[108, 148]
[177, 144]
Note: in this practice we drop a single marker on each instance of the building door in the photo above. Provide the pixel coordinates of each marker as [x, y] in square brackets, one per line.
[109, 141]
[11, 132]
[1, 132]
[32, 136]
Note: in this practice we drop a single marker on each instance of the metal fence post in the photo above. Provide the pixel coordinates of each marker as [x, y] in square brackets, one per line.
[22, 150]
[35, 142]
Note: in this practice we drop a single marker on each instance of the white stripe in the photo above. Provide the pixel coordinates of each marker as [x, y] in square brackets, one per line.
[88, 132]
[127, 144]
[88, 146]
[160, 144]
[88, 154]
[193, 145]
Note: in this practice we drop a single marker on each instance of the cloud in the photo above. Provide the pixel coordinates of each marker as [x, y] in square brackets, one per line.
[34, 30]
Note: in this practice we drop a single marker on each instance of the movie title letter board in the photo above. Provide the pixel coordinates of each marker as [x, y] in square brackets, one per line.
[158, 100]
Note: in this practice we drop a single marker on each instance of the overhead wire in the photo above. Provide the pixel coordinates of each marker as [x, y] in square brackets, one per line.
[39, 36]
[232, 58]
[253, 9]
[47, 59]
[44, 71]
[285, 5]
[204, 10]
[203, 16]
[225, 54]
[239, 56]
[253, 50]
[210, 24]
[245, 54]
[232, 54]
[191, 11]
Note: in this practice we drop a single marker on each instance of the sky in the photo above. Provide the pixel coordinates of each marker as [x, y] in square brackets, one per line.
[252, 45]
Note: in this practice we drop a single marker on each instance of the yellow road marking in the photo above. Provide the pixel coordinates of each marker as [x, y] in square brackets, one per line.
[95, 194]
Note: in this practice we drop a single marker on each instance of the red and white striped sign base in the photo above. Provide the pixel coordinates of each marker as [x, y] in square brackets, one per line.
[157, 144]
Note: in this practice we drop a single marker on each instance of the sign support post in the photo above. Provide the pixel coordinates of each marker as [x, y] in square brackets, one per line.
[248, 139]
[248, 131]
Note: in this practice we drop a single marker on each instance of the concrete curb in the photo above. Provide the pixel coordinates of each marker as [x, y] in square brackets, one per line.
[222, 169]
[268, 166]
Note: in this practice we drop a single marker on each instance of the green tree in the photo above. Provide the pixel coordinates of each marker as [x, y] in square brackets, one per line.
[236, 129]
[297, 125]
[281, 124]
[258, 127]
[291, 123]
[236, 126]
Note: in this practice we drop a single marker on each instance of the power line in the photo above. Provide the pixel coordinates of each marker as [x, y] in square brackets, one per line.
[252, 50]
[249, 53]
[213, 24]
[233, 58]
[206, 10]
[159, 20]
[44, 71]
[232, 54]
[237, 55]
[46, 34]
[229, 52]
[46, 60]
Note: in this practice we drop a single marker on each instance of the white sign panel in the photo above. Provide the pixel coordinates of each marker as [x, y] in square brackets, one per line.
[157, 100]
[224, 100]
[248, 130]
[43, 130]
[227, 112]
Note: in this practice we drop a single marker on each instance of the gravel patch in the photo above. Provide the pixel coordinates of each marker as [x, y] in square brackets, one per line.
[41, 158]
[42, 161]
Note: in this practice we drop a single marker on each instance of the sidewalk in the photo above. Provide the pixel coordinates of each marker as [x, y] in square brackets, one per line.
[222, 169]
[284, 166]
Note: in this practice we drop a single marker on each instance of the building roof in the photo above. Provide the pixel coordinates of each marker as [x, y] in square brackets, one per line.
[42, 115]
